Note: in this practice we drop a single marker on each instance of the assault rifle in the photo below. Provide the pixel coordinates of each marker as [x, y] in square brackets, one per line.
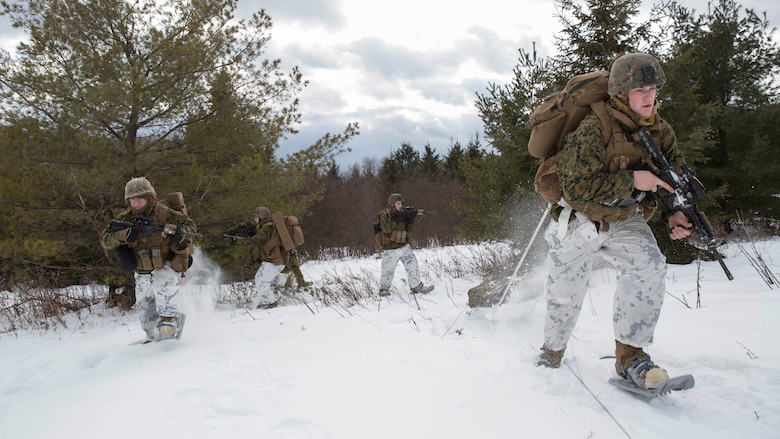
[687, 188]
[143, 225]
[407, 214]
[421, 212]
[244, 230]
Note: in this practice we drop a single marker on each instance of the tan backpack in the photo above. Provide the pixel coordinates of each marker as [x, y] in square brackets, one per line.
[559, 114]
[289, 230]
[182, 260]
[288, 237]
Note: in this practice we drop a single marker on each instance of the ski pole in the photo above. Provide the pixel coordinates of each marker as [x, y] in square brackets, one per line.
[525, 253]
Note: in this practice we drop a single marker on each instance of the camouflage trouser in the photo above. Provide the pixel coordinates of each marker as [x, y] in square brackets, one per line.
[630, 247]
[390, 260]
[268, 280]
[156, 295]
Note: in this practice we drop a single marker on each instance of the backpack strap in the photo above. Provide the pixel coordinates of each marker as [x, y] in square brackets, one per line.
[604, 113]
[162, 213]
[615, 144]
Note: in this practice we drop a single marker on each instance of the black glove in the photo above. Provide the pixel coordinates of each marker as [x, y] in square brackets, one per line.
[396, 216]
[176, 237]
[411, 214]
[131, 235]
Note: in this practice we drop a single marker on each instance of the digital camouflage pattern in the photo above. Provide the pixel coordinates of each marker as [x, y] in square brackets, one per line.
[263, 213]
[390, 259]
[269, 280]
[277, 264]
[137, 187]
[635, 70]
[158, 283]
[391, 228]
[393, 198]
[162, 215]
[156, 293]
[583, 165]
[630, 247]
[589, 176]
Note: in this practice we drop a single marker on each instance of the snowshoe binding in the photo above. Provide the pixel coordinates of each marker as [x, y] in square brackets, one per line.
[422, 289]
[646, 379]
[682, 382]
[170, 327]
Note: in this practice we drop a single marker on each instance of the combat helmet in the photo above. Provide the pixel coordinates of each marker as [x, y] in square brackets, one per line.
[263, 213]
[635, 70]
[393, 198]
[137, 187]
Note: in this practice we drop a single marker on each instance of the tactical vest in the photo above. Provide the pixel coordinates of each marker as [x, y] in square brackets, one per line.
[397, 238]
[151, 251]
[621, 154]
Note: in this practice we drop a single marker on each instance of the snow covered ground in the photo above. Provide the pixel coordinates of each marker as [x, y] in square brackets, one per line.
[403, 368]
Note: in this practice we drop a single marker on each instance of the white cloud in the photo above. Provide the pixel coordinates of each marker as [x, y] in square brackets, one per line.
[407, 71]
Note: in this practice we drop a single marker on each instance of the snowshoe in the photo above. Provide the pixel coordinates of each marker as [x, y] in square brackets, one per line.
[170, 327]
[683, 382]
[268, 305]
[643, 372]
[422, 289]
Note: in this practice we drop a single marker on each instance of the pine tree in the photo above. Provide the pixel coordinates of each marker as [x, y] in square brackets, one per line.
[728, 57]
[175, 91]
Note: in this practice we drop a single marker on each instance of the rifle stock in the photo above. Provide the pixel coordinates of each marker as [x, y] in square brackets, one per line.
[687, 188]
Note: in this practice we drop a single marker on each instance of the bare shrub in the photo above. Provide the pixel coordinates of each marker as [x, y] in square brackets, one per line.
[751, 229]
[44, 308]
[348, 287]
[238, 295]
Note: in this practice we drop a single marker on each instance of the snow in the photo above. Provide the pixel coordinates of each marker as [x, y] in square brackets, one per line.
[408, 367]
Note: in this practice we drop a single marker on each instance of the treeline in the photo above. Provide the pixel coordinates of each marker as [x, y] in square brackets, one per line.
[340, 223]
[344, 218]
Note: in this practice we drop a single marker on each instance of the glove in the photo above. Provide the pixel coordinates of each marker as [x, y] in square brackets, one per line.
[411, 214]
[128, 235]
[176, 237]
[396, 216]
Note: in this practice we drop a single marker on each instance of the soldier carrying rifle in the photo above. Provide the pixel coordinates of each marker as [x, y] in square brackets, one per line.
[152, 239]
[392, 233]
[278, 237]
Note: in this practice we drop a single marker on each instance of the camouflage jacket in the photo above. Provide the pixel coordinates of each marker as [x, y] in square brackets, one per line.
[583, 165]
[264, 232]
[395, 234]
[161, 215]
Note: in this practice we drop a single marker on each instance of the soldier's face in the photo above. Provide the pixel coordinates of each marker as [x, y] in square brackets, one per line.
[398, 205]
[641, 100]
[138, 203]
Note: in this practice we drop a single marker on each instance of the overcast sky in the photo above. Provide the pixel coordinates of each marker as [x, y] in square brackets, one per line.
[405, 70]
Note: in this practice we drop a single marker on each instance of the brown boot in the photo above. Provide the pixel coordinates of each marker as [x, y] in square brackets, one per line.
[634, 364]
[625, 355]
[550, 358]
[299, 277]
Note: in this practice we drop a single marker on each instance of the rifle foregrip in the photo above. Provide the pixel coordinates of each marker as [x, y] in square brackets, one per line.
[116, 225]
